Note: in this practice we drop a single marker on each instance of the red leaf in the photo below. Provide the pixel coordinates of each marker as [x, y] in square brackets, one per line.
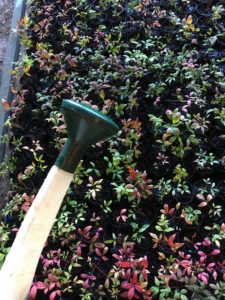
[215, 275]
[53, 295]
[204, 277]
[172, 238]
[85, 284]
[135, 277]
[128, 274]
[130, 293]
[201, 253]
[51, 286]
[40, 285]
[95, 237]
[161, 255]
[124, 295]
[92, 277]
[144, 274]
[126, 285]
[78, 251]
[98, 252]
[133, 173]
[52, 278]
[87, 229]
[166, 207]
[215, 252]
[33, 292]
[145, 262]
[124, 264]
[99, 245]
[19, 177]
[139, 288]
[200, 197]
[6, 105]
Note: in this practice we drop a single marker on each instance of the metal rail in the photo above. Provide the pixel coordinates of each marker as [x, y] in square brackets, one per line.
[11, 56]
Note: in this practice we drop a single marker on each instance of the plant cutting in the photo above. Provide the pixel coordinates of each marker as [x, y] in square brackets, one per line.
[180, 174]
[218, 11]
[217, 233]
[93, 188]
[120, 221]
[163, 188]
[161, 164]
[219, 115]
[200, 124]
[204, 200]
[182, 192]
[138, 231]
[215, 211]
[206, 187]
[18, 270]
[191, 216]
[205, 162]
[178, 134]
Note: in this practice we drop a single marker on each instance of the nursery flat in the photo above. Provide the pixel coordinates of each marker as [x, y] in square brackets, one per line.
[144, 215]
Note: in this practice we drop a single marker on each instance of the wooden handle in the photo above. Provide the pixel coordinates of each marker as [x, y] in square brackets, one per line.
[19, 268]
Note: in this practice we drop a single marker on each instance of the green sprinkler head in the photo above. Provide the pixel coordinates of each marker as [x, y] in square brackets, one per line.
[85, 127]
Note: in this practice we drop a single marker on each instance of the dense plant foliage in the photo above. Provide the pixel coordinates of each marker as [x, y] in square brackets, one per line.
[144, 215]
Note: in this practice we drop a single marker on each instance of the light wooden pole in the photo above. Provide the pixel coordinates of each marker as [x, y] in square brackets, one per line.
[85, 126]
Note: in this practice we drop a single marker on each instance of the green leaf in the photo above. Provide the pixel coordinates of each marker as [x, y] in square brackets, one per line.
[213, 286]
[108, 241]
[176, 117]
[169, 229]
[157, 282]
[155, 290]
[158, 228]
[143, 228]
[154, 236]
[134, 225]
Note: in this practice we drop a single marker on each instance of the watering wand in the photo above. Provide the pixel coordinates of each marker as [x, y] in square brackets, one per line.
[85, 126]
